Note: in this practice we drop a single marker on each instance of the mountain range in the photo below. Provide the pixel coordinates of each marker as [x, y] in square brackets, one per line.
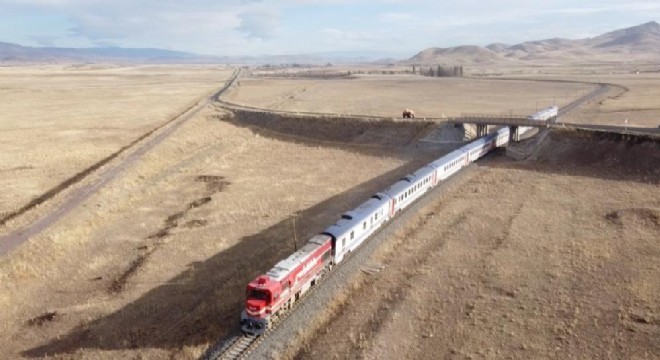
[640, 42]
[13, 53]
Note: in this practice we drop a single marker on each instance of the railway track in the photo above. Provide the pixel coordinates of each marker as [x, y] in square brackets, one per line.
[235, 347]
[241, 346]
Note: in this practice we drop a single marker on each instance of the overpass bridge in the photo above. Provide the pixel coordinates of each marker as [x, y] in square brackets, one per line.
[518, 123]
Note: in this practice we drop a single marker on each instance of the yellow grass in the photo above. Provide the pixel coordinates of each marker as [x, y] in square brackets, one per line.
[58, 120]
[388, 95]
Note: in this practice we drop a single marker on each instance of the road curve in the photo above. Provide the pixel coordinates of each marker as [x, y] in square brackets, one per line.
[14, 239]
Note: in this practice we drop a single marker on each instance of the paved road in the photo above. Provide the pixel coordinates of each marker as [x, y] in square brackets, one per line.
[78, 196]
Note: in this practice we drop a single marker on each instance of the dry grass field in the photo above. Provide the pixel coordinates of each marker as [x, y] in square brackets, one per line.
[526, 260]
[388, 95]
[638, 103]
[56, 121]
[154, 265]
[635, 99]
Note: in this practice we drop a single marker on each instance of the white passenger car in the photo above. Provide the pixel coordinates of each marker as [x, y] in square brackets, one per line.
[356, 225]
[411, 187]
[502, 136]
[449, 164]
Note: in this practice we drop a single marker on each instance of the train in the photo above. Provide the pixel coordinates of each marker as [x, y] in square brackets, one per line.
[271, 295]
[545, 114]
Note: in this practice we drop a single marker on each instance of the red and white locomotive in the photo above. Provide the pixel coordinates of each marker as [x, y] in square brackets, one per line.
[272, 294]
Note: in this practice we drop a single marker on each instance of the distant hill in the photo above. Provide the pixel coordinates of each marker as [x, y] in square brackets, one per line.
[18, 53]
[642, 38]
[467, 54]
[637, 42]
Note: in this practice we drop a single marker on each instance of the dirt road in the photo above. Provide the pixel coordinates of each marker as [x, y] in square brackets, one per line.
[135, 151]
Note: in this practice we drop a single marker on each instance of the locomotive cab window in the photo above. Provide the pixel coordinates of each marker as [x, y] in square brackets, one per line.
[258, 294]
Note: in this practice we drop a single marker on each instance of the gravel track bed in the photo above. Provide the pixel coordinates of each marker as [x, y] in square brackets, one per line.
[301, 320]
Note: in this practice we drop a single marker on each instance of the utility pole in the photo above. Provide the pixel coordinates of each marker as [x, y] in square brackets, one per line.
[295, 237]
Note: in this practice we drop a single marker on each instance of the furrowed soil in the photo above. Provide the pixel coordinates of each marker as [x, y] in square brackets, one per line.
[155, 264]
[57, 121]
[558, 257]
[535, 259]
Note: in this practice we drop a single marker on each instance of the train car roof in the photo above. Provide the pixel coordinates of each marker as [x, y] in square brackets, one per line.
[476, 143]
[504, 129]
[447, 159]
[284, 267]
[353, 217]
[420, 174]
[398, 187]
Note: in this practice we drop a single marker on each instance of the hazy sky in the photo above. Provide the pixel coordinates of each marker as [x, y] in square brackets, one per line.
[255, 27]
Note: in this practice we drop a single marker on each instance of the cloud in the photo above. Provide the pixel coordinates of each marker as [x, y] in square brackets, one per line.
[294, 26]
[259, 23]
[397, 18]
[44, 40]
[348, 36]
[589, 10]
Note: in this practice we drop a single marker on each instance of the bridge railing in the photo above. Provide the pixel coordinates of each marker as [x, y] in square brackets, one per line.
[492, 116]
[498, 119]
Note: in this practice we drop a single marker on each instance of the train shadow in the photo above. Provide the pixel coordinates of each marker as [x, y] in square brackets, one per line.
[203, 303]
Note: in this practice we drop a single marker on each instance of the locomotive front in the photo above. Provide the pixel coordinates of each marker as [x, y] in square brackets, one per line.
[254, 319]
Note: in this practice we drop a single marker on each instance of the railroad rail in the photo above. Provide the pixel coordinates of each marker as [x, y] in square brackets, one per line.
[240, 346]
[234, 347]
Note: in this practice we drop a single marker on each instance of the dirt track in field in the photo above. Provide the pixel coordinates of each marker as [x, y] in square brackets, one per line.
[163, 246]
[152, 138]
[154, 264]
